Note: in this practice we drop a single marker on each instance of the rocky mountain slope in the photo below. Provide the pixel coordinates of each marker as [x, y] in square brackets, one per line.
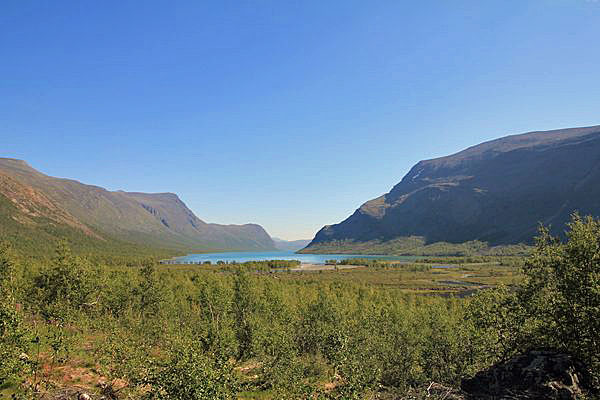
[162, 219]
[497, 192]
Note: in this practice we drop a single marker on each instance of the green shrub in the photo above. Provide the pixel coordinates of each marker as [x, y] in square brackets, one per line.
[192, 375]
[214, 326]
[561, 295]
[557, 306]
[13, 345]
[14, 362]
[63, 288]
[149, 292]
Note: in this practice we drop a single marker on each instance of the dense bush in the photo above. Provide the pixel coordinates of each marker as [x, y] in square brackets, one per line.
[63, 287]
[13, 333]
[561, 297]
[189, 373]
[13, 344]
[558, 304]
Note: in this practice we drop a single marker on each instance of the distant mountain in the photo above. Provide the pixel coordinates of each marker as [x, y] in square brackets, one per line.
[497, 192]
[290, 245]
[30, 198]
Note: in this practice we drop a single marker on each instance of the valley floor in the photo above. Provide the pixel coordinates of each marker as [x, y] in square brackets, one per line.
[350, 329]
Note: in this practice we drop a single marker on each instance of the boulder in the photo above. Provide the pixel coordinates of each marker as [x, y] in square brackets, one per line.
[537, 374]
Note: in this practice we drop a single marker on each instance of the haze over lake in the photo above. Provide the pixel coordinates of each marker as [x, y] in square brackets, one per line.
[240, 257]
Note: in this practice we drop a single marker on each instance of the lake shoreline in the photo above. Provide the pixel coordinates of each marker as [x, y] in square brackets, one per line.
[303, 258]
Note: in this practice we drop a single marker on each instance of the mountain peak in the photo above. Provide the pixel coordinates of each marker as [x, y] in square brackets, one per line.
[498, 191]
[15, 163]
[505, 144]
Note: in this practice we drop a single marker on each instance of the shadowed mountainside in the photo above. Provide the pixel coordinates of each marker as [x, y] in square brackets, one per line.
[496, 192]
[290, 245]
[160, 219]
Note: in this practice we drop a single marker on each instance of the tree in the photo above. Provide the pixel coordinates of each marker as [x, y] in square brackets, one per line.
[8, 268]
[64, 287]
[562, 290]
[13, 336]
[150, 291]
[244, 307]
[558, 304]
[190, 374]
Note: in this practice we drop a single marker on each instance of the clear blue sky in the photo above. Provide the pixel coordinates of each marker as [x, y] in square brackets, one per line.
[285, 113]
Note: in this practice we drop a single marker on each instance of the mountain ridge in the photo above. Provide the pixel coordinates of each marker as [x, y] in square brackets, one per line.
[155, 219]
[290, 245]
[497, 192]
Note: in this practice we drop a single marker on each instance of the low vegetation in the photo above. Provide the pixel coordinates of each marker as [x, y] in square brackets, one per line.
[141, 330]
[416, 246]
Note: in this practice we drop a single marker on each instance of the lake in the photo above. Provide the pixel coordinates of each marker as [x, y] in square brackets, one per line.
[240, 257]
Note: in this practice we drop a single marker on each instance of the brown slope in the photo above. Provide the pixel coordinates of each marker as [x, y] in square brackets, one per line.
[31, 204]
[154, 219]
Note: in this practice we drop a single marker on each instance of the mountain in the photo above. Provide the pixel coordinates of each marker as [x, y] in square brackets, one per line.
[290, 245]
[32, 199]
[496, 192]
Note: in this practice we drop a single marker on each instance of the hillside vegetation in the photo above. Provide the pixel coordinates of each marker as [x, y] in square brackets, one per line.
[159, 220]
[415, 246]
[75, 325]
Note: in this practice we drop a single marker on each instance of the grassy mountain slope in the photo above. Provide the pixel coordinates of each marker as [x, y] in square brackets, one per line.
[34, 225]
[155, 220]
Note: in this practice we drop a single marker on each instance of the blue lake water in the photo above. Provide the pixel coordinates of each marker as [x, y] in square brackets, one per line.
[279, 255]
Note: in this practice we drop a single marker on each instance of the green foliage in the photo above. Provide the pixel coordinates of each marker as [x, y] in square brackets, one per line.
[191, 374]
[213, 308]
[215, 331]
[245, 309]
[257, 266]
[382, 265]
[302, 338]
[13, 334]
[63, 288]
[13, 344]
[498, 320]
[558, 305]
[561, 295]
[7, 268]
[416, 246]
[149, 292]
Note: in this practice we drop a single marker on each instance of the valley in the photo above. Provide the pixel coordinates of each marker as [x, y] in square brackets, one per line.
[300, 200]
[100, 299]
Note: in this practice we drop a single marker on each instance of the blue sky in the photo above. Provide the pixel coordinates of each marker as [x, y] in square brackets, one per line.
[289, 114]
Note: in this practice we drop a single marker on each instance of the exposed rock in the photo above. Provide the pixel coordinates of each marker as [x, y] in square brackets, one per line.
[538, 374]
